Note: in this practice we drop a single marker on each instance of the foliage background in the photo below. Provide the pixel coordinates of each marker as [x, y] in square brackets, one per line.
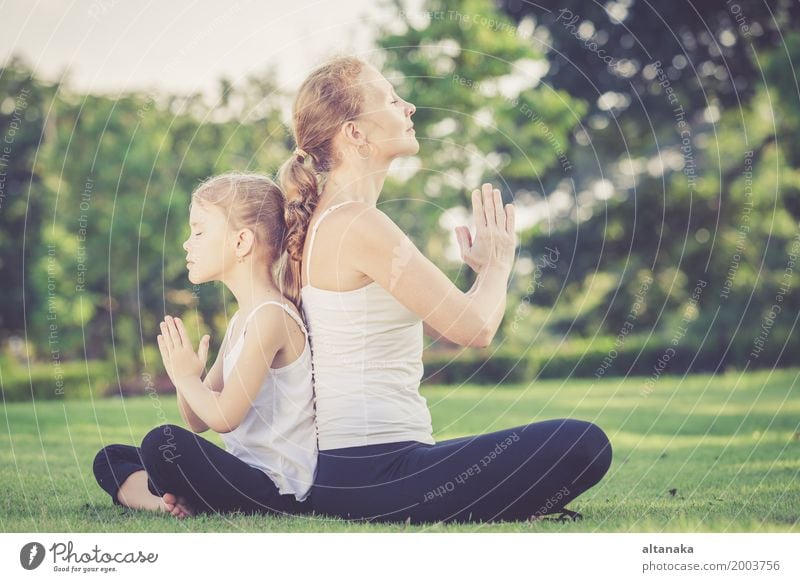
[622, 217]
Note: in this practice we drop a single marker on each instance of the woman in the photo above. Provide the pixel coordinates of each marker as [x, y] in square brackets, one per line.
[367, 293]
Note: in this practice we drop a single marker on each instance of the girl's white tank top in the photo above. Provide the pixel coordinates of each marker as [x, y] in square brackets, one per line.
[367, 357]
[278, 434]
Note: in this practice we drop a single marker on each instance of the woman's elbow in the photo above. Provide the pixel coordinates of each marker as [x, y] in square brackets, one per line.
[482, 339]
[477, 334]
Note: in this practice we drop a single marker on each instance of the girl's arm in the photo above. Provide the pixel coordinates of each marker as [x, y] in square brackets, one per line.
[223, 411]
[212, 381]
[189, 417]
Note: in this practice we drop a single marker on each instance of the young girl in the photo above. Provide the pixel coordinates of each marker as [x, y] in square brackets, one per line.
[258, 394]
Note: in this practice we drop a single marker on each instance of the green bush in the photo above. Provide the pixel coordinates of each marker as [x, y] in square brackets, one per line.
[476, 367]
[602, 357]
[49, 381]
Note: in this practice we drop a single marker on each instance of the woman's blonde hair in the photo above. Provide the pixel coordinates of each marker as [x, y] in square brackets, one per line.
[256, 202]
[328, 97]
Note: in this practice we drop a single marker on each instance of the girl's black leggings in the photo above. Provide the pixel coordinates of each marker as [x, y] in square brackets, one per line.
[180, 462]
[508, 475]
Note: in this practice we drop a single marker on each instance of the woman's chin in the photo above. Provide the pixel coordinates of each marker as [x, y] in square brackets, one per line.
[408, 146]
[412, 148]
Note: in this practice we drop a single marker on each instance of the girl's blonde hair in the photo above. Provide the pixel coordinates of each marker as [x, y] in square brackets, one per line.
[328, 98]
[256, 202]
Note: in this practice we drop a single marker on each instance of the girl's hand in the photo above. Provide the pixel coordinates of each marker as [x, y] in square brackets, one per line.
[495, 239]
[177, 353]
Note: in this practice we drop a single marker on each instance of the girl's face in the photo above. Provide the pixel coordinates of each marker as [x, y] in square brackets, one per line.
[209, 250]
[386, 118]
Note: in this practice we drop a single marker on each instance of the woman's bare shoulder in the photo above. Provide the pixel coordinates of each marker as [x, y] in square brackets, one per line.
[366, 219]
[359, 227]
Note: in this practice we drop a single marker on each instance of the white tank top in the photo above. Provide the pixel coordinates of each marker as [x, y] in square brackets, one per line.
[278, 434]
[367, 354]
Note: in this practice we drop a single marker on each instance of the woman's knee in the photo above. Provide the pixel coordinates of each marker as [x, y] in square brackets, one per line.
[588, 447]
[594, 448]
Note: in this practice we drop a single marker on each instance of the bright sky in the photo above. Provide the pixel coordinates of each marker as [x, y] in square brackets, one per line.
[182, 46]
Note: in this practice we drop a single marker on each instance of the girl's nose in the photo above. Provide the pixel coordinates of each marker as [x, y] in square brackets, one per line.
[411, 109]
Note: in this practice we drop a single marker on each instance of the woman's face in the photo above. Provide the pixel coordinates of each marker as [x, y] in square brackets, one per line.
[209, 250]
[386, 118]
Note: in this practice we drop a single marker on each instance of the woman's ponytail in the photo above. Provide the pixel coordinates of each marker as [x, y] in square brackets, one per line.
[329, 97]
[300, 186]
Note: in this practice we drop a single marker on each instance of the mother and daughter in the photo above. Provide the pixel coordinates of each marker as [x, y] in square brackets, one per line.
[354, 439]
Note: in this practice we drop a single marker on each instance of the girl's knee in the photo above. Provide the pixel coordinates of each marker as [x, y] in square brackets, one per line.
[107, 457]
[163, 443]
[102, 462]
[101, 458]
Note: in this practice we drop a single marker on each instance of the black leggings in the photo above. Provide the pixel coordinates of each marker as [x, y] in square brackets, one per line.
[180, 462]
[508, 475]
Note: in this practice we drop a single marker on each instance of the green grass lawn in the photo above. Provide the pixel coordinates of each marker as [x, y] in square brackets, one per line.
[727, 445]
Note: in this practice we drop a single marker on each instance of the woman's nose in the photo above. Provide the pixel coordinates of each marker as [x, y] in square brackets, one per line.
[411, 109]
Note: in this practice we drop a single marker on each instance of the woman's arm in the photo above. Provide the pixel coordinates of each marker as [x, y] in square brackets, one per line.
[432, 333]
[223, 411]
[386, 255]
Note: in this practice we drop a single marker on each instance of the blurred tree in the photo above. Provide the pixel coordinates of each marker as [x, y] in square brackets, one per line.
[110, 180]
[482, 115]
[690, 107]
[24, 102]
[673, 160]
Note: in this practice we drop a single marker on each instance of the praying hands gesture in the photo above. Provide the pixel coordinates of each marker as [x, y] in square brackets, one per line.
[495, 239]
[177, 353]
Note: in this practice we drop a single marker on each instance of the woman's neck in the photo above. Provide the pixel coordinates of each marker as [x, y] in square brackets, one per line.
[358, 180]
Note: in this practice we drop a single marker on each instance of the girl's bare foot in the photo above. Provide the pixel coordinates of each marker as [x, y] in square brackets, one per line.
[177, 506]
[134, 493]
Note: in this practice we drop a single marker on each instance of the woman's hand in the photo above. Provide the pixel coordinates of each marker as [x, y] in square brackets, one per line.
[177, 353]
[495, 239]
